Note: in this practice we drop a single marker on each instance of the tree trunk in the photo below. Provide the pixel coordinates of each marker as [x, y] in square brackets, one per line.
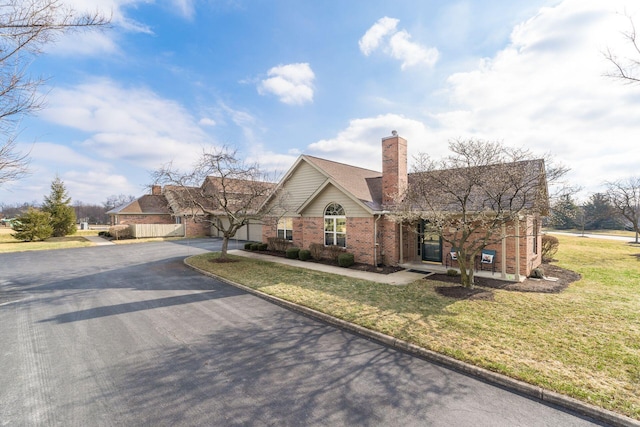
[466, 274]
[225, 245]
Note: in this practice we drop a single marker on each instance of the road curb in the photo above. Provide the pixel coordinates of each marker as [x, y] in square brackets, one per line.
[526, 389]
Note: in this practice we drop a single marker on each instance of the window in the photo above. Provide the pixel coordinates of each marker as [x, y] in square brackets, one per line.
[178, 220]
[285, 228]
[335, 226]
[535, 236]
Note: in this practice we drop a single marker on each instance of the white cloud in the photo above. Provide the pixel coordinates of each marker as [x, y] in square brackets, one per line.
[360, 143]
[547, 91]
[206, 121]
[397, 44]
[127, 124]
[292, 83]
[403, 49]
[374, 35]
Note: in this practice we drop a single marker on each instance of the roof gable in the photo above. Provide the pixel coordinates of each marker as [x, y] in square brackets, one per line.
[146, 204]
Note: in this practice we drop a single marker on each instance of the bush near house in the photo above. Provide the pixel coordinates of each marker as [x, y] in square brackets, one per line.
[120, 232]
[277, 244]
[549, 247]
[335, 251]
[304, 254]
[247, 246]
[292, 253]
[345, 259]
[316, 250]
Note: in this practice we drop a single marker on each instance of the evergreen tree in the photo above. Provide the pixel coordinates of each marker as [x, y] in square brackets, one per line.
[33, 225]
[58, 205]
[600, 214]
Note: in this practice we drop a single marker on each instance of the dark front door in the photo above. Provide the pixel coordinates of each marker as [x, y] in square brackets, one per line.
[431, 244]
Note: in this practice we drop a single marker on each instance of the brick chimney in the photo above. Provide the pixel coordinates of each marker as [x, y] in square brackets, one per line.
[156, 190]
[394, 168]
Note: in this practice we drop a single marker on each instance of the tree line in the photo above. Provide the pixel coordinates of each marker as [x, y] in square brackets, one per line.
[617, 208]
[56, 216]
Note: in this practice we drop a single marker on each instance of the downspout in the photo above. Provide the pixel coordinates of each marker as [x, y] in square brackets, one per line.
[375, 241]
[401, 245]
[518, 249]
[503, 255]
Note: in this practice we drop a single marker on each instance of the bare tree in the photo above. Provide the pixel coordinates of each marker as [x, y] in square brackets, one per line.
[26, 26]
[624, 195]
[474, 196]
[221, 190]
[626, 69]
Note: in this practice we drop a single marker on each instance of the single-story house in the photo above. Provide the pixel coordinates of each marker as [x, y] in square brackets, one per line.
[166, 205]
[334, 203]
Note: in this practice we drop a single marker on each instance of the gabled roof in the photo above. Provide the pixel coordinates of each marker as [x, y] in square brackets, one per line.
[363, 185]
[143, 205]
[487, 187]
[237, 194]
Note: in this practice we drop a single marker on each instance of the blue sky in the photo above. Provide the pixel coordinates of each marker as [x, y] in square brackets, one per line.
[276, 79]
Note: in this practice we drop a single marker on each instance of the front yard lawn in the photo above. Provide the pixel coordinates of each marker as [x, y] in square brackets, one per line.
[583, 342]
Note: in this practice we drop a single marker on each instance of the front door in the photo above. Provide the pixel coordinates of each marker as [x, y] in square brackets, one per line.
[431, 244]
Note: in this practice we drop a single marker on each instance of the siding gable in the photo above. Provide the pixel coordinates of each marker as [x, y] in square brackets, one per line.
[332, 194]
[302, 183]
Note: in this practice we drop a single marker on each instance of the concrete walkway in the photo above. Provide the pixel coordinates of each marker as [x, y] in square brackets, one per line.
[99, 241]
[399, 278]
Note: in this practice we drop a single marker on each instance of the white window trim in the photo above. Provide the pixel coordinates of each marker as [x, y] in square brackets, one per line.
[334, 233]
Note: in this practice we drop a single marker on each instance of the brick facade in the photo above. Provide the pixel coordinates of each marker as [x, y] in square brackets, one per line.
[142, 219]
[375, 238]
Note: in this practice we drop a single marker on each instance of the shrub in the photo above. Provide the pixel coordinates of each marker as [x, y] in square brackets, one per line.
[304, 254]
[335, 251]
[549, 247]
[277, 244]
[247, 245]
[255, 246]
[32, 226]
[316, 249]
[453, 273]
[292, 253]
[345, 259]
[120, 232]
[104, 234]
[263, 246]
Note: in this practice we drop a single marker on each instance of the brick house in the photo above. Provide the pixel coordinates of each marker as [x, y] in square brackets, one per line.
[164, 206]
[337, 204]
[147, 209]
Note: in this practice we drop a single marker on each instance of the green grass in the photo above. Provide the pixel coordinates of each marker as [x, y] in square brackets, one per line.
[584, 342]
[9, 244]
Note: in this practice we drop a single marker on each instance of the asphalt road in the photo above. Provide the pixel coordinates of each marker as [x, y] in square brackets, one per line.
[126, 335]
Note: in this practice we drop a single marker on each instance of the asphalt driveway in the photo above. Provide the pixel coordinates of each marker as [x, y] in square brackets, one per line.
[127, 335]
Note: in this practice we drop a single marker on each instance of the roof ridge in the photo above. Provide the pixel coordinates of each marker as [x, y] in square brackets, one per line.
[341, 163]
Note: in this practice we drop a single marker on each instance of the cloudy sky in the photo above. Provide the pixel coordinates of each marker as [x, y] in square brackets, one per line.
[276, 79]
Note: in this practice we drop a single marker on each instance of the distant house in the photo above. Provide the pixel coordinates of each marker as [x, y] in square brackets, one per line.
[147, 209]
[333, 203]
[196, 213]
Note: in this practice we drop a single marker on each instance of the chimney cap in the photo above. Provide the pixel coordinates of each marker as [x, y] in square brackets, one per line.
[394, 133]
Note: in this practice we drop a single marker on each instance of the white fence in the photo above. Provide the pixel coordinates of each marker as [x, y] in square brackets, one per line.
[156, 230]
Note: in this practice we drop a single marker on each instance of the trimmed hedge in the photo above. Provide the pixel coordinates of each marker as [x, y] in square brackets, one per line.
[247, 245]
[263, 246]
[255, 246]
[345, 259]
[304, 254]
[292, 253]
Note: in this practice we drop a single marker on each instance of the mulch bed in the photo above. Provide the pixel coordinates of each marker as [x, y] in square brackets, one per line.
[483, 285]
[385, 269]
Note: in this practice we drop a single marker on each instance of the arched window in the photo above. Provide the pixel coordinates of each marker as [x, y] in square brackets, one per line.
[335, 225]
